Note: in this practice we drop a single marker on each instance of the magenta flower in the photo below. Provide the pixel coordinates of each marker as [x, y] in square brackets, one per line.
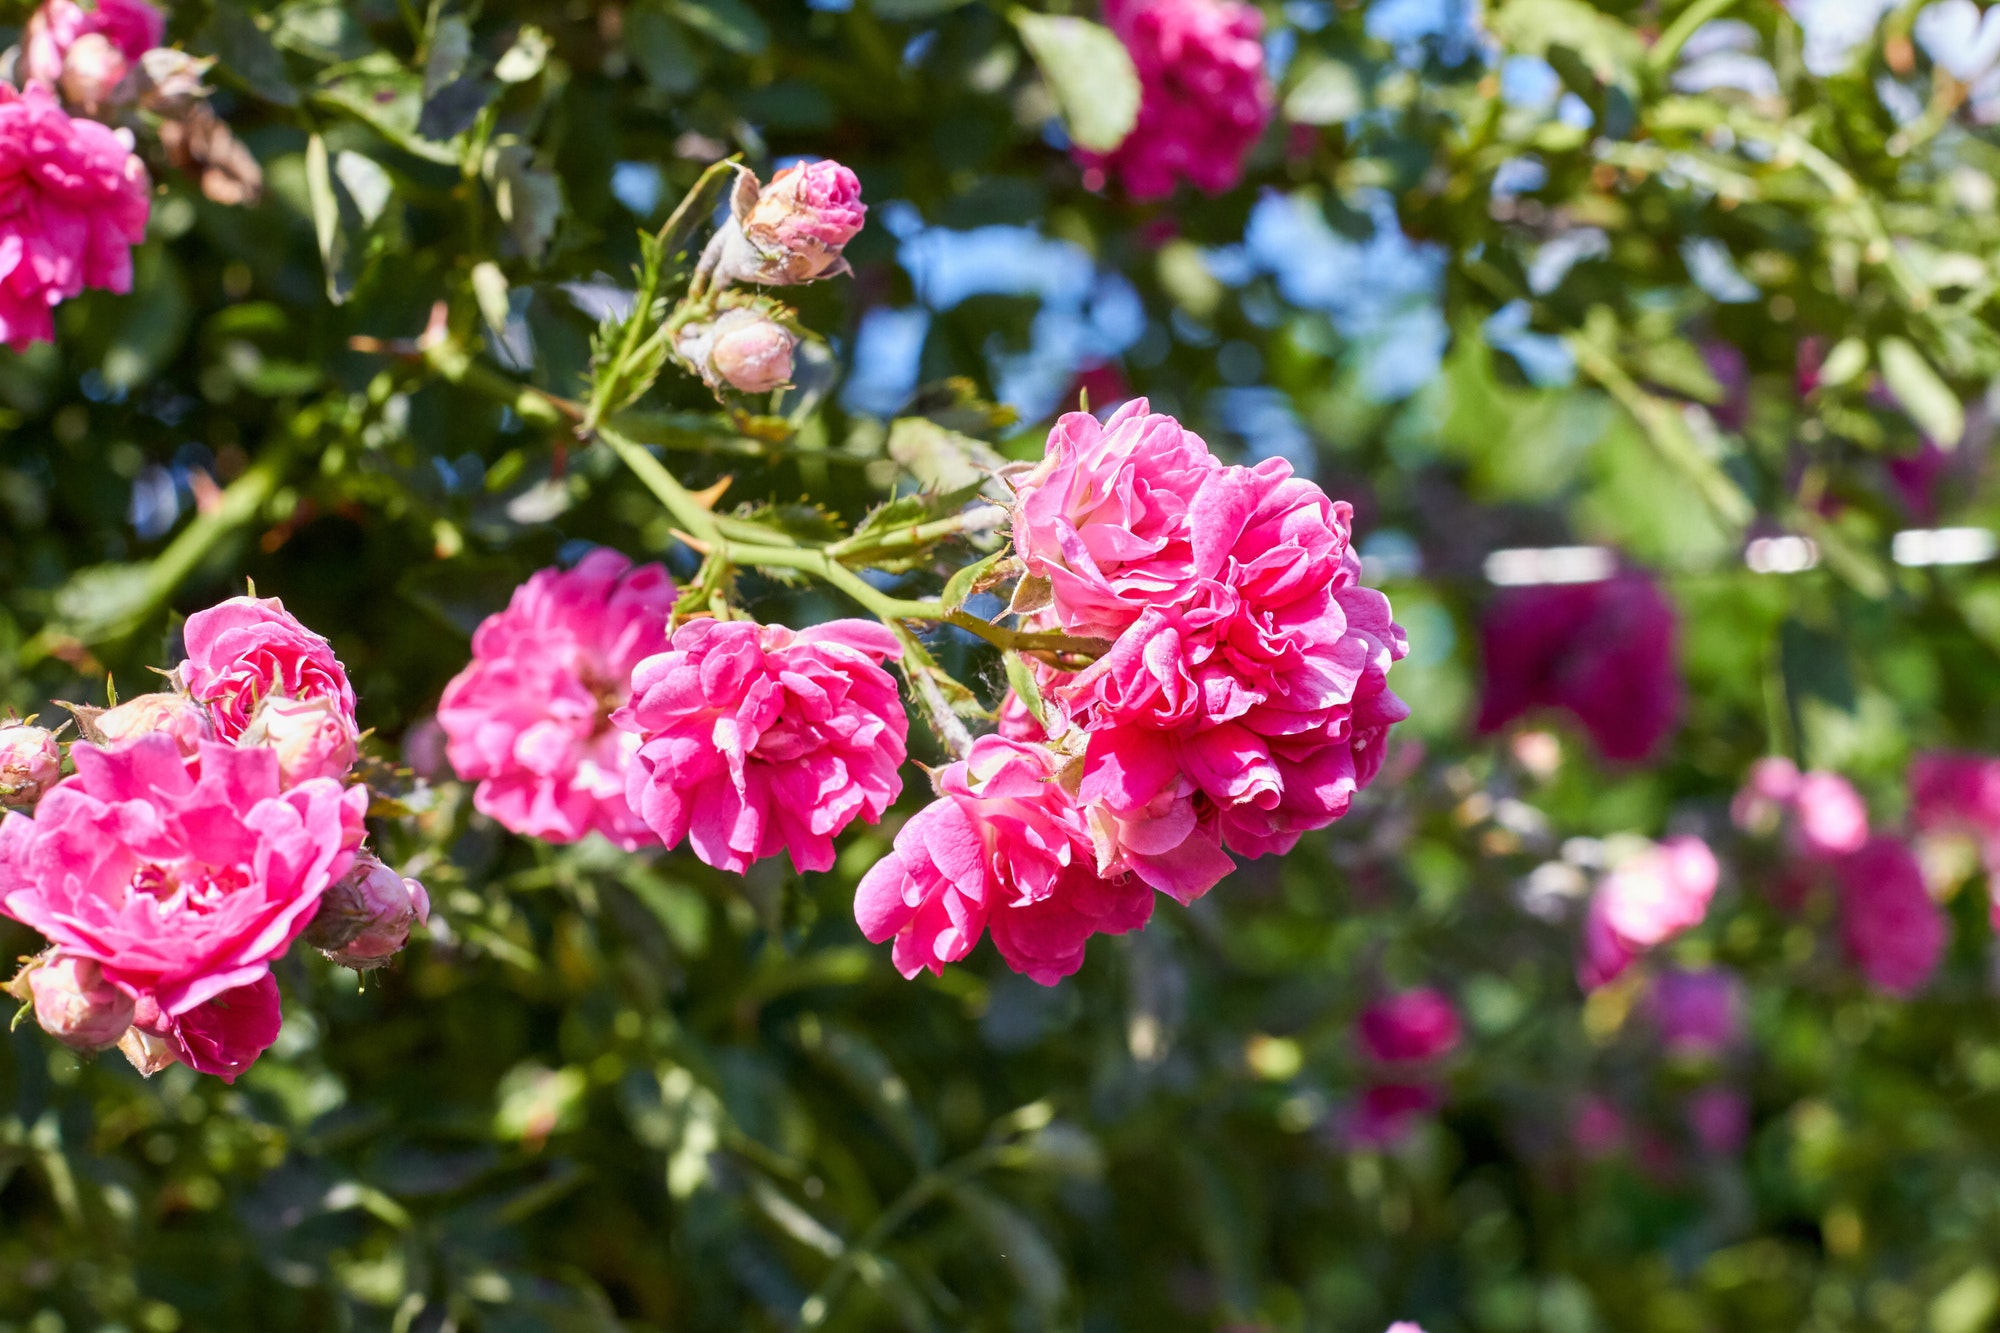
[1892, 930]
[1003, 847]
[1412, 1025]
[1254, 707]
[1604, 652]
[756, 738]
[1205, 96]
[529, 718]
[30, 763]
[1823, 816]
[1697, 1013]
[1388, 1113]
[249, 649]
[180, 878]
[1956, 793]
[223, 1035]
[73, 202]
[1645, 901]
[132, 27]
[1107, 516]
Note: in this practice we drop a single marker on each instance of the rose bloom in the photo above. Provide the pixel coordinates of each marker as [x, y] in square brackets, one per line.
[249, 649]
[1604, 652]
[1412, 1025]
[1107, 516]
[132, 27]
[758, 738]
[529, 718]
[789, 231]
[1955, 799]
[222, 1036]
[74, 200]
[1697, 1013]
[1005, 848]
[1204, 100]
[1389, 1113]
[1822, 813]
[180, 878]
[1644, 902]
[312, 738]
[1255, 707]
[1892, 929]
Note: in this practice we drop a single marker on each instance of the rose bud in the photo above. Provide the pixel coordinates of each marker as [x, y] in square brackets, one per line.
[740, 349]
[30, 763]
[365, 918]
[312, 737]
[147, 1052]
[168, 712]
[92, 71]
[77, 1006]
[169, 78]
[789, 231]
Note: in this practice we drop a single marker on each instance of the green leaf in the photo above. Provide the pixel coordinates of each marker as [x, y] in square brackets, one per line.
[1847, 360]
[529, 197]
[730, 24]
[1020, 1244]
[525, 58]
[661, 50]
[1027, 687]
[941, 459]
[1327, 92]
[350, 194]
[903, 11]
[973, 578]
[1927, 398]
[249, 56]
[1611, 50]
[803, 521]
[1090, 73]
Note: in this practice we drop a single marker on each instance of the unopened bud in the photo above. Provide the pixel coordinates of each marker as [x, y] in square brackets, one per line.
[364, 919]
[30, 763]
[167, 712]
[77, 1006]
[790, 231]
[314, 738]
[92, 70]
[740, 349]
[147, 1052]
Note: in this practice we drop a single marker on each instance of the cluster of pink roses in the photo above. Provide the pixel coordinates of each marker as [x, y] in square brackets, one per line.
[1205, 96]
[1403, 1035]
[580, 712]
[205, 828]
[1242, 701]
[1645, 900]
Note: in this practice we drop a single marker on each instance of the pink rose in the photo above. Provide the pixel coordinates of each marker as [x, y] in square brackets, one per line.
[180, 878]
[1107, 516]
[1822, 813]
[249, 649]
[1893, 931]
[30, 763]
[312, 738]
[1003, 847]
[92, 71]
[129, 27]
[789, 231]
[1697, 1013]
[1644, 902]
[1956, 793]
[1389, 1113]
[168, 712]
[73, 202]
[755, 738]
[364, 920]
[222, 1036]
[1252, 709]
[76, 1005]
[1205, 96]
[529, 719]
[1412, 1025]
[1604, 652]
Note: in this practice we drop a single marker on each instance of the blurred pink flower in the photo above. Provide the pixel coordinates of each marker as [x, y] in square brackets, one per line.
[1205, 96]
[132, 27]
[1003, 847]
[1389, 1112]
[1720, 1119]
[529, 718]
[1108, 515]
[1645, 901]
[756, 738]
[74, 200]
[1892, 930]
[1697, 1013]
[180, 878]
[1823, 816]
[1604, 651]
[249, 649]
[1598, 1129]
[1955, 792]
[1411, 1025]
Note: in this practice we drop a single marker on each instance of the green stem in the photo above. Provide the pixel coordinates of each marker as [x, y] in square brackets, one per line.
[680, 502]
[1668, 48]
[917, 534]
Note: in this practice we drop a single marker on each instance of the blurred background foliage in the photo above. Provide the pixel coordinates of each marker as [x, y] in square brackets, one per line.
[1669, 277]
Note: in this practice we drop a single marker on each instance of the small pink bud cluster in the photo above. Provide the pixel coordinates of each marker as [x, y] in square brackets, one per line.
[1242, 700]
[1890, 925]
[205, 828]
[30, 762]
[787, 232]
[1404, 1035]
